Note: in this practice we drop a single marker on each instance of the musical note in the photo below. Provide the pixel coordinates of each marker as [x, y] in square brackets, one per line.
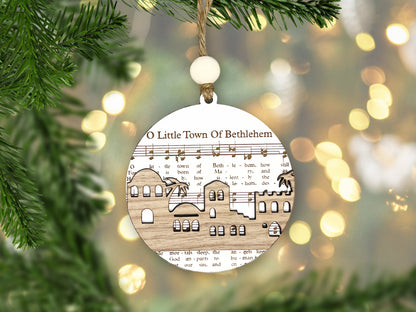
[234, 194]
[250, 199]
[180, 155]
[284, 154]
[264, 152]
[167, 152]
[247, 156]
[151, 152]
[216, 154]
[197, 197]
[232, 149]
[199, 153]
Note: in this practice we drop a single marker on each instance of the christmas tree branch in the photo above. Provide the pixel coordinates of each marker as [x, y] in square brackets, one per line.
[38, 42]
[21, 211]
[67, 272]
[244, 13]
[57, 155]
[320, 291]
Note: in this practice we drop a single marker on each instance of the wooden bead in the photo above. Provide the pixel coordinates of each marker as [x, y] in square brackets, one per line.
[205, 69]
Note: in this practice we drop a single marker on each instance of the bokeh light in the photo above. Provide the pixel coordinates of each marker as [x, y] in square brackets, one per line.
[322, 248]
[397, 34]
[134, 69]
[218, 18]
[270, 100]
[300, 232]
[280, 67]
[332, 223]
[126, 229]
[337, 169]
[330, 25]
[380, 92]
[325, 151]
[110, 200]
[372, 75]
[335, 185]
[302, 149]
[262, 20]
[378, 109]
[131, 278]
[96, 141]
[129, 128]
[365, 42]
[113, 102]
[349, 189]
[94, 121]
[359, 119]
[147, 4]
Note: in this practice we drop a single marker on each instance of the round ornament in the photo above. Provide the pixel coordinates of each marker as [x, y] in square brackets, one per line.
[210, 187]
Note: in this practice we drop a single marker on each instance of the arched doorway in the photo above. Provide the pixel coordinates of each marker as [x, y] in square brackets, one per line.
[274, 229]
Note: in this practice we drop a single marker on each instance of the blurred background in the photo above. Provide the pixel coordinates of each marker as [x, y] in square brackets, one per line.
[340, 99]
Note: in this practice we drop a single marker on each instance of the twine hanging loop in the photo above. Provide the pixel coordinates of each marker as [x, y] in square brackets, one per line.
[206, 89]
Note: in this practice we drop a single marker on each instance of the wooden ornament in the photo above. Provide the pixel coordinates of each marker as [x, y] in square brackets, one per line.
[210, 188]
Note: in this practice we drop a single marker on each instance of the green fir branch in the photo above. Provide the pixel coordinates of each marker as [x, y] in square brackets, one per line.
[21, 210]
[37, 44]
[87, 30]
[325, 291]
[58, 157]
[57, 278]
[244, 13]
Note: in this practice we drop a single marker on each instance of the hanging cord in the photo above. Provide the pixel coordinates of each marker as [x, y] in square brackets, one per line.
[206, 89]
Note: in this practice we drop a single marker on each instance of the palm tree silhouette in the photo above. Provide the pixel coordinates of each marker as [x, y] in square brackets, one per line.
[288, 179]
[174, 184]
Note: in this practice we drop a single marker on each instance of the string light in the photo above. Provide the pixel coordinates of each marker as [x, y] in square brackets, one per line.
[300, 233]
[147, 4]
[322, 248]
[332, 223]
[280, 67]
[325, 151]
[359, 119]
[110, 200]
[349, 189]
[372, 75]
[126, 229]
[270, 100]
[218, 18]
[131, 278]
[96, 141]
[113, 102]
[95, 120]
[302, 149]
[262, 21]
[380, 92]
[365, 42]
[399, 203]
[397, 34]
[129, 128]
[134, 69]
[337, 169]
[378, 109]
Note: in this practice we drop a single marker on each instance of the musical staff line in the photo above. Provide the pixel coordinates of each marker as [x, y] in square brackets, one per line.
[195, 197]
[180, 152]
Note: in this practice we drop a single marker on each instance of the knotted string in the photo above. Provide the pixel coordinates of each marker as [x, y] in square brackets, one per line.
[206, 89]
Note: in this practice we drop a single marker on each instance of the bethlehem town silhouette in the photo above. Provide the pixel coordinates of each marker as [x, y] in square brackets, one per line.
[216, 227]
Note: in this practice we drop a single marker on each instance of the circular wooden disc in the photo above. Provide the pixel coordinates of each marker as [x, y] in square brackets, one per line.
[210, 188]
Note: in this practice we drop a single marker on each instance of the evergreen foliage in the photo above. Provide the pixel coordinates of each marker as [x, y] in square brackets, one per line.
[41, 46]
[49, 192]
[244, 13]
